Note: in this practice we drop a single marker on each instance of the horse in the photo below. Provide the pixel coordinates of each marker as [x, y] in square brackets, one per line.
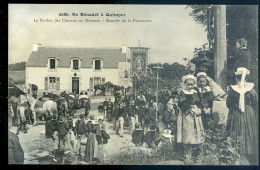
[78, 103]
[40, 108]
[100, 87]
[70, 102]
[62, 105]
[23, 114]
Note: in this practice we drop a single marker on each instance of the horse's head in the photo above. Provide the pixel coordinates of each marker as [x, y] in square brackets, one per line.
[63, 94]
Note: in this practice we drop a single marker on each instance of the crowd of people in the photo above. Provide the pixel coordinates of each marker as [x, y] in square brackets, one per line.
[185, 112]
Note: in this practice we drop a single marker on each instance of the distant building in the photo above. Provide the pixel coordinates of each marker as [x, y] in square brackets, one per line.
[73, 68]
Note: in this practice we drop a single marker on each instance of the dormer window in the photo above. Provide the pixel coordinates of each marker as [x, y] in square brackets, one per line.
[75, 64]
[97, 64]
[52, 64]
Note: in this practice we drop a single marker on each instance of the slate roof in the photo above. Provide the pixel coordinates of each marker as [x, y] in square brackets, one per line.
[110, 56]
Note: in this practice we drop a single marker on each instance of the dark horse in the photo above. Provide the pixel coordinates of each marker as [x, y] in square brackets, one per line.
[62, 105]
[100, 87]
[70, 101]
[76, 103]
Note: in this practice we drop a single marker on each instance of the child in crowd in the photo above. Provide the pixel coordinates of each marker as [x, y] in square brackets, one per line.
[138, 135]
[102, 139]
[190, 130]
[152, 137]
[206, 97]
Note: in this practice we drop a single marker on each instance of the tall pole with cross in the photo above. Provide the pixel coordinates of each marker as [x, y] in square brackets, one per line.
[157, 93]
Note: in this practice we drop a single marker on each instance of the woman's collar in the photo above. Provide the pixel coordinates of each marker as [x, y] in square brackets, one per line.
[247, 87]
[207, 88]
[189, 92]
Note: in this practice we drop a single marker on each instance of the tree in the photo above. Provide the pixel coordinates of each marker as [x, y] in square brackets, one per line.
[239, 25]
[17, 66]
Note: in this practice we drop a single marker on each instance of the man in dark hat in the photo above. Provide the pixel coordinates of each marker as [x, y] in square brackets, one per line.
[63, 133]
[80, 132]
[51, 127]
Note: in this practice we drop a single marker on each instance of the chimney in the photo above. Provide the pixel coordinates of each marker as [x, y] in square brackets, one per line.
[124, 49]
[36, 46]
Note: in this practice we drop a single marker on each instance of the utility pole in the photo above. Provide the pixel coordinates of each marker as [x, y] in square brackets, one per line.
[157, 93]
[220, 46]
[139, 42]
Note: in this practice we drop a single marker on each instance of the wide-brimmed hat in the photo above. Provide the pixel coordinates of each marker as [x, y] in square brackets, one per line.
[205, 64]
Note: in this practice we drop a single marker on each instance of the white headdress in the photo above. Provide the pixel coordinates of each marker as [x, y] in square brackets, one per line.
[201, 74]
[244, 72]
[189, 76]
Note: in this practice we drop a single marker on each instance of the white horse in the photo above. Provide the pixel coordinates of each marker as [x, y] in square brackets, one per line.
[40, 108]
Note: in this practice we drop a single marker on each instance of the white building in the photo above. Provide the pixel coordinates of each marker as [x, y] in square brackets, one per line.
[63, 68]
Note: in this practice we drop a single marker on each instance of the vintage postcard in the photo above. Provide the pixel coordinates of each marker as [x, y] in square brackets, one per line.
[132, 84]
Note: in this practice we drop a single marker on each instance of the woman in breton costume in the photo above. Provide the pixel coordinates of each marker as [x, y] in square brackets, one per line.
[243, 116]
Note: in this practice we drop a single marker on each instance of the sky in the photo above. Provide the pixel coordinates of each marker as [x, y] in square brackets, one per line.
[171, 36]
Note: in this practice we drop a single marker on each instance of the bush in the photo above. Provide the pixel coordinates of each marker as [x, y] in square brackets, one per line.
[218, 149]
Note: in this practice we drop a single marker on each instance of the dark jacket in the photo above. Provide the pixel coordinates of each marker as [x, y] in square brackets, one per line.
[15, 150]
[119, 111]
[138, 137]
[80, 127]
[50, 127]
[103, 137]
[152, 114]
[63, 129]
[152, 137]
[109, 107]
[241, 58]
[131, 111]
[169, 117]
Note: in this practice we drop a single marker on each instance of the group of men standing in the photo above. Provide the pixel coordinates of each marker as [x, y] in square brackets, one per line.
[130, 109]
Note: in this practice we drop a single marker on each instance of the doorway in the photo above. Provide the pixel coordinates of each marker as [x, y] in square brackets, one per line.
[75, 85]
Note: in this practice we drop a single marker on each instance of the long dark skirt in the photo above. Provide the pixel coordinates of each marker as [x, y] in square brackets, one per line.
[244, 126]
[90, 147]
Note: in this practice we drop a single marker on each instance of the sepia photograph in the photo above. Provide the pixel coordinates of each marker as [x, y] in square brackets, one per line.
[115, 84]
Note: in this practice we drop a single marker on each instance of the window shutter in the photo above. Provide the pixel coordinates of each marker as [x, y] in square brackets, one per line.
[46, 83]
[57, 83]
[91, 84]
[103, 80]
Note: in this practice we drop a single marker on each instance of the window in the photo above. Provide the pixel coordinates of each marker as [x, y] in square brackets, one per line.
[97, 64]
[97, 80]
[75, 64]
[52, 64]
[52, 82]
